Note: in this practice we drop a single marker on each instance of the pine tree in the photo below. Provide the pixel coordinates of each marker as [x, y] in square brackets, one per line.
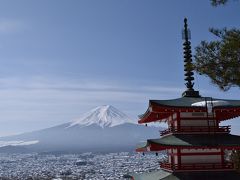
[218, 2]
[235, 157]
[220, 61]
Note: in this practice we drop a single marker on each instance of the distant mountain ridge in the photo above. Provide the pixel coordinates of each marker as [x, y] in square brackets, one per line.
[103, 129]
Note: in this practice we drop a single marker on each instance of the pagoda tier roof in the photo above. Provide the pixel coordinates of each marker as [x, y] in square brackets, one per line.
[199, 175]
[227, 141]
[188, 101]
[159, 110]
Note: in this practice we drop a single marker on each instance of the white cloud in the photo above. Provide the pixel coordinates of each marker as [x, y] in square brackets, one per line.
[43, 93]
[17, 143]
[38, 102]
[38, 83]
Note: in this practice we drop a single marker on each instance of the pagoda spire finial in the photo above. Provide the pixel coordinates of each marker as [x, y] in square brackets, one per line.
[188, 66]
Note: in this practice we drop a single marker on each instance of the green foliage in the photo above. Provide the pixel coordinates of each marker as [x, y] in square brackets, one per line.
[220, 59]
[235, 157]
[218, 2]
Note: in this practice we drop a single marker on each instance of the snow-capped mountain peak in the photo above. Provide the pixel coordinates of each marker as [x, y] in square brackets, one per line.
[103, 116]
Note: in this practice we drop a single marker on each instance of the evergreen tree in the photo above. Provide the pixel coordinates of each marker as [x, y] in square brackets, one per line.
[235, 157]
[220, 59]
[218, 2]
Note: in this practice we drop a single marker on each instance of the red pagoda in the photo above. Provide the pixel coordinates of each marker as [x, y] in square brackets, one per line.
[197, 146]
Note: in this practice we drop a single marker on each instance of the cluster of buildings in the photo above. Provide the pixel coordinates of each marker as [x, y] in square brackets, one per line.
[87, 166]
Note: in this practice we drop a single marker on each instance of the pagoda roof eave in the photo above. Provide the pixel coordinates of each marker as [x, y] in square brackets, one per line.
[155, 175]
[189, 101]
[191, 141]
[158, 107]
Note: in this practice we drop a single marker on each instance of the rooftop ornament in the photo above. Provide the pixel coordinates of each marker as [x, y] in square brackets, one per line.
[188, 66]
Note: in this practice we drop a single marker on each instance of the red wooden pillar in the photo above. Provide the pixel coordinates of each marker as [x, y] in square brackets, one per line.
[179, 158]
[172, 159]
[222, 157]
[178, 121]
[172, 122]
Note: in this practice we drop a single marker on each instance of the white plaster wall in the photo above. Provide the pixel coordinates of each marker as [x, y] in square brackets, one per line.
[212, 122]
[174, 150]
[199, 150]
[175, 123]
[169, 159]
[193, 114]
[201, 159]
[197, 122]
[175, 159]
[175, 116]
[194, 123]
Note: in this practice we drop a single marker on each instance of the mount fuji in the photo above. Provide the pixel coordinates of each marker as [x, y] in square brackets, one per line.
[103, 129]
[103, 116]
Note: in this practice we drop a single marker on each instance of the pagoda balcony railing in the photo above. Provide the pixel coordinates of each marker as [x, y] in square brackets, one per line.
[197, 166]
[196, 129]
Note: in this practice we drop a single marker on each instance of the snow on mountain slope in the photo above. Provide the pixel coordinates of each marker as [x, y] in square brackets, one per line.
[103, 116]
[103, 129]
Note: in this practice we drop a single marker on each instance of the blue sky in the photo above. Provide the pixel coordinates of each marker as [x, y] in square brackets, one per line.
[61, 58]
